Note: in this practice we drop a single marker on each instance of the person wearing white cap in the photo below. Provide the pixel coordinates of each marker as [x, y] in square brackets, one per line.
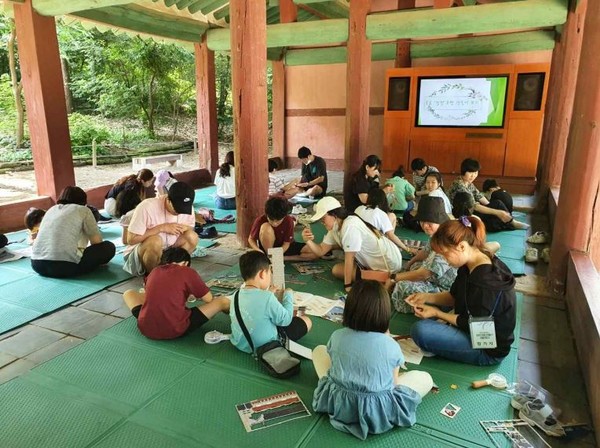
[362, 244]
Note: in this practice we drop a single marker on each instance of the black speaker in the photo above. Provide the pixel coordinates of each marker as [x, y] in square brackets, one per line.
[530, 89]
[398, 93]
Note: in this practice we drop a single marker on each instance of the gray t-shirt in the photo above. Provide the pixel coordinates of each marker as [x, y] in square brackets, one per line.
[64, 233]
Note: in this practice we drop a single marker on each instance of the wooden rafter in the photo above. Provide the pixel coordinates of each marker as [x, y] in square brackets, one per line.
[146, 21]
[312, 11]
[59, 8]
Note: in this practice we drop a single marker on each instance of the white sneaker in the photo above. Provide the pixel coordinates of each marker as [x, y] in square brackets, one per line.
[539, 238]
[545, 255]
[298, 210]
[302, 194]
[531, 255]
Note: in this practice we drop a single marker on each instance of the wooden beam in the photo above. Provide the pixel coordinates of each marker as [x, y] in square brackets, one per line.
[358, 89]
[206, 107]
[250, 120]
[423, 23]
[222, 13]
[291, 34]
[313, 12]
[213, 6]
[467, 46]
[45, 99]
[288, 11]
[402, 58]
[492, 17]
[182, 4]
[578, 201]
[59, 8]
[143, 20]
[278, 110]
[169, 3]
[439, 4]
[478, 45]
[559, 105]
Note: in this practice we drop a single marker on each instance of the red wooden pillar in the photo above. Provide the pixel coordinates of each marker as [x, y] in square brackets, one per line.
[278, 109]
[403, 45]
[206, 107]
[358, 85]
[250, 121]
[581, 176]
[42, 79]
[559, 107]
[288, 12]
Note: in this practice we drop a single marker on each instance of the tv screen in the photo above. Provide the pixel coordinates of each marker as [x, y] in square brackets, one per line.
[462, 101]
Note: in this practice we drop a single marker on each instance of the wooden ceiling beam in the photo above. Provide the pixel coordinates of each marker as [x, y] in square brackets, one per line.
[146, 21]
[62, 7]
[469, 46]
[422, 23]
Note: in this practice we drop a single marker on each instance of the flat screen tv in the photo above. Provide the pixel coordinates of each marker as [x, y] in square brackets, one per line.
[462, 101]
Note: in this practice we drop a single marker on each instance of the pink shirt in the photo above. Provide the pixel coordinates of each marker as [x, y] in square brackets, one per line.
[151, 213]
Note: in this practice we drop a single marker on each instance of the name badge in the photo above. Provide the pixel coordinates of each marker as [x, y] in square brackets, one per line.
[483, 332]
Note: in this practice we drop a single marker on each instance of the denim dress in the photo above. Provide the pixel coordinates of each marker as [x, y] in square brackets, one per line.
[358, 392]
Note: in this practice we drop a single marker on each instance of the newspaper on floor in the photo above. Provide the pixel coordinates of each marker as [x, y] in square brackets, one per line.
[320, 306]
[270, 411]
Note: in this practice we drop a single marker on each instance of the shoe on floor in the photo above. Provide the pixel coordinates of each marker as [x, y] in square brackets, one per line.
[545, 255]
[531, 255]
[537, 413]
[519, 400]
[298, 210]
[539, 238]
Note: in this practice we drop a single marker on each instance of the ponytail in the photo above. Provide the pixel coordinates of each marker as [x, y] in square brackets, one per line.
[469, 229]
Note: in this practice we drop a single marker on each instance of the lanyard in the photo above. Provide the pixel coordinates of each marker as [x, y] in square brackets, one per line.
[493, 310]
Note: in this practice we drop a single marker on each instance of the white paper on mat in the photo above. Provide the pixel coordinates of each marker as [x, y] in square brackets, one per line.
[298, 349]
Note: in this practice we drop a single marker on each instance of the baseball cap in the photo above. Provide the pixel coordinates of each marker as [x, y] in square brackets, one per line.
[181, 196]
[325, 205]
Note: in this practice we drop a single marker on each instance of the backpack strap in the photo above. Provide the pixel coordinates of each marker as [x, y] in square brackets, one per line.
[238, 315]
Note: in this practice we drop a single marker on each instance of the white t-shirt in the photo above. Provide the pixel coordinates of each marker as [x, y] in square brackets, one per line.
[439, 193]
[225, 185]
[376, 217]
[355, 236]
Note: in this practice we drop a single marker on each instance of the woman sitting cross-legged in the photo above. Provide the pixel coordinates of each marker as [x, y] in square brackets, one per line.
[428, 271]
[360, 385]
[61, 248]
[482, 327]
[362, 244]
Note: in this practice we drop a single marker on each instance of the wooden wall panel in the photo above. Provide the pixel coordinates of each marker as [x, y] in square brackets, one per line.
[446, 155]
[396, 134]
[522, 147]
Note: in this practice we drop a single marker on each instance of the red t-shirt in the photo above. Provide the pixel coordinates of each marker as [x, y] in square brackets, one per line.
[284, 232]
[164, 314]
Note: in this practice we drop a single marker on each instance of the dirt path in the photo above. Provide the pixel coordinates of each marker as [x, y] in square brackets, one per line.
[21, 185]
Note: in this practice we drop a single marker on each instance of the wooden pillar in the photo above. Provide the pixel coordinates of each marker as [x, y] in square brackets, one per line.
[403, 45]
[43, 85]
[250, 120]
[278, 109]
[580, 185]
[206, 107]
[559, 107]
[288, 12]
[358, 85]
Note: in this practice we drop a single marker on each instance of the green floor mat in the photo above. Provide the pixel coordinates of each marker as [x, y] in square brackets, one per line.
[205, 198]
[25, 295]
[35, 416]
[121, 389]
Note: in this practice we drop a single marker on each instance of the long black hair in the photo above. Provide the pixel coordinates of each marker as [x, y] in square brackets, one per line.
[225, 168]
[371, 160]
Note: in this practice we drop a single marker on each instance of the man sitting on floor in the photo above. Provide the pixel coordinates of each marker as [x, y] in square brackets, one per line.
[314, 174]
[158, 223]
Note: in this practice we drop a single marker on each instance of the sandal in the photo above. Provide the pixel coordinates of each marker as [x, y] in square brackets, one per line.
[531, 255]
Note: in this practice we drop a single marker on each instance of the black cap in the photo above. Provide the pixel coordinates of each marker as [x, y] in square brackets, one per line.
[181, 196]
[431, 209]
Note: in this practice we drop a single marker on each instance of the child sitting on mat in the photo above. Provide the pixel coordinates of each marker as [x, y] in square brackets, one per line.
[360, 386]
[276, 229]
[161, 310]
[33, 219]
[266, 316]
